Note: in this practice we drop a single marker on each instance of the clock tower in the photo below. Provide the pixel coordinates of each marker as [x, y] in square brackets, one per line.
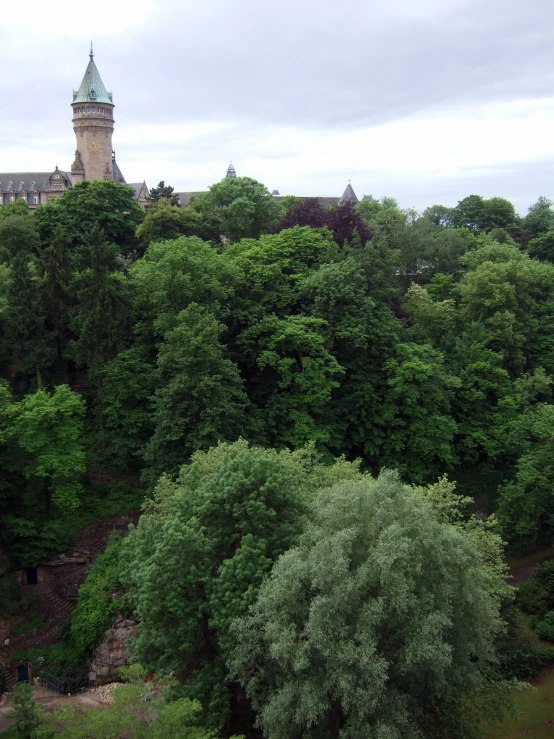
[93, 125]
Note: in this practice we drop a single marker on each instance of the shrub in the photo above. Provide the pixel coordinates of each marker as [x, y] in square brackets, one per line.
[96, 608]
[25, 711]
[536, 596]
[545, 628]
[546, 655]
[57, 657]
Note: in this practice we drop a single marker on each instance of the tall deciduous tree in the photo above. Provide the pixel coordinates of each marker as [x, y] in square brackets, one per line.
[361, 332]
[165, 220]
[540, 217]
[199, 554]
[18, 235]
[272, 269]
[344, 221]
[237, 208]
[296, 374]
[418, 428]
[128, 383]
[381, 622]
[479, 214]
[542, 247]
[440, 216]
[107, 205]
[174, 274]
[48, 427]
[200, 400]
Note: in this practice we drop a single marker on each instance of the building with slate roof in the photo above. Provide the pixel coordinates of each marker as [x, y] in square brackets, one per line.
[348, 195]
[93, 124]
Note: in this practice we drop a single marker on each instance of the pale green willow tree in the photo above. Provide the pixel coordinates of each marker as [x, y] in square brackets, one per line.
[379, 624]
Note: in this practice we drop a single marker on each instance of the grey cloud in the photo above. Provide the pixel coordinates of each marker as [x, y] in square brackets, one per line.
[322, 65]
[339, 64]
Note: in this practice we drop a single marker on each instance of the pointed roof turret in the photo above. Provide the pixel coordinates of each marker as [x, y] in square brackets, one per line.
[348, 195]
[92, 88]
[231, 171]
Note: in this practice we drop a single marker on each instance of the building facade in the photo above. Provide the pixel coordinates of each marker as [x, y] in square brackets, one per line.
[348, 195]
[93, 124]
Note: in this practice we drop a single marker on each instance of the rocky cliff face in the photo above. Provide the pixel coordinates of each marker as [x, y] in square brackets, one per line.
[114, 651]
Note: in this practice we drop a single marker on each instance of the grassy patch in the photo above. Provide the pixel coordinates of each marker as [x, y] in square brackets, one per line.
[536, 712]
[36, 623]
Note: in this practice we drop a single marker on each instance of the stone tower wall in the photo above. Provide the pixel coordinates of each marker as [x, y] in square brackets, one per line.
[93, 124]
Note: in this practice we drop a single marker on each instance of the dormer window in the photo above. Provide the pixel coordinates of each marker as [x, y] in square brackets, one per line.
[92, 95]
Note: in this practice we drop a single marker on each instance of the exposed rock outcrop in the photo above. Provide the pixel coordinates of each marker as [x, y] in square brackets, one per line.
[114, 651]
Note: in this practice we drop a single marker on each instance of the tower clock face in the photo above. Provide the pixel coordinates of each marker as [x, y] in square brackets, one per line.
[94, 146]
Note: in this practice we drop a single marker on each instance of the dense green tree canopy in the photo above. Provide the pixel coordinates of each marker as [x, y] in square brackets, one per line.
[18, 235]
[378, 623]
[236, 208]
[152, 356]
[540, 217]
[200, 398]
[199, 554]
[88, 205]
[165, 220]
[174, 274]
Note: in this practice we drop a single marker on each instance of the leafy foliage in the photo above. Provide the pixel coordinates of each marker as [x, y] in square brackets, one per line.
[236, 208]
[139, 711]
[379, 621]
[96, 608]
[25, 711]
[344, 221]
[199, 554]
[86, 206]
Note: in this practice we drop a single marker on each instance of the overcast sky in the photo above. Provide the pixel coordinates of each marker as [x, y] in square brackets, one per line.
[424, 100]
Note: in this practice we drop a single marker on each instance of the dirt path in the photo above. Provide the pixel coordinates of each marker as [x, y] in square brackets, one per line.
[49, 700]
[521, 569]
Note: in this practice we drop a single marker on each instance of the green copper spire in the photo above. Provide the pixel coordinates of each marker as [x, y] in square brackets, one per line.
[92, 88]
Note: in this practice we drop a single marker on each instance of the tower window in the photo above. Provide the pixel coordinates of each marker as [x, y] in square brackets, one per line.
[35, 199]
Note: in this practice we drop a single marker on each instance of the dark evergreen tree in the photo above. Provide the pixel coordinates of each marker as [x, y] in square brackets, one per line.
[54, 266]
[101, 317]
[163, 191]
[29, 346]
